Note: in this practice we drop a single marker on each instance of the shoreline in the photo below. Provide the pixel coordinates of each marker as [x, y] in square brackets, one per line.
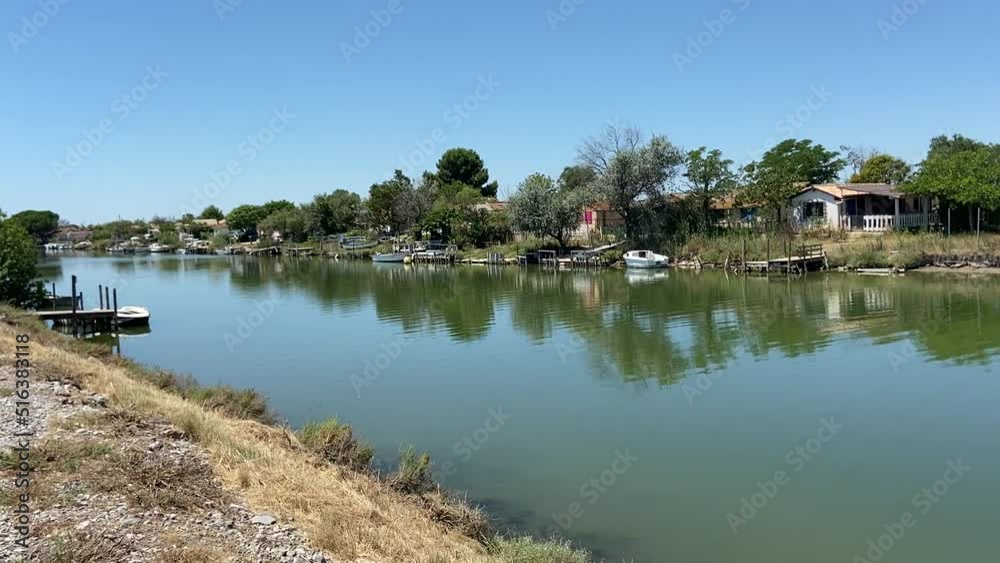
[243, 486]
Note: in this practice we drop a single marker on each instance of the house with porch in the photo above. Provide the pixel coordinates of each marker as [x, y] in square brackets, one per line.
[860, 207]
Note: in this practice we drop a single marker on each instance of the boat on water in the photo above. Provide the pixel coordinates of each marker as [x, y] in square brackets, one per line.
[130, 315]
[391, 257]
[645, 259]
[158, 248]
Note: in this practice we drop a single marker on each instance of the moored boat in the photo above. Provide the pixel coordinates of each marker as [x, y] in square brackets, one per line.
[394, 257]
[158, 248]
[133, 315]
[645, 259]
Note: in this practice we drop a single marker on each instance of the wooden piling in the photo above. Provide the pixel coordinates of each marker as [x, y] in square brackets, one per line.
[114, 317]
[107, 296]
[100, 295]
[73, 299]
[54, 298]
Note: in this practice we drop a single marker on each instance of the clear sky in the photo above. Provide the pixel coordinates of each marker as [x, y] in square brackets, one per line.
[199, 79]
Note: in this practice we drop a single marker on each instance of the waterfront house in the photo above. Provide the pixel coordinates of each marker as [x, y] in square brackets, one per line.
[860, 207]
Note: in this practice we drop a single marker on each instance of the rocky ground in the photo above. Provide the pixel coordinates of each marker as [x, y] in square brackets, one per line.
[110, 486]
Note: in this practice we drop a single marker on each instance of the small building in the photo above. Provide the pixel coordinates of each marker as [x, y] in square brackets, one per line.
[598, 219]
[859, 207]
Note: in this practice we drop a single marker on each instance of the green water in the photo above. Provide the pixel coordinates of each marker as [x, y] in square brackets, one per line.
[526, 385]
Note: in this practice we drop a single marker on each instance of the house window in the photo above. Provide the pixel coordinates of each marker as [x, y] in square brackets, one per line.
[814, 209]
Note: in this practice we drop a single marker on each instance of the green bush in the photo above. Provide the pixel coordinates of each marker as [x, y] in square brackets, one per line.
[527, 550]
[414, 473]
[335, 442]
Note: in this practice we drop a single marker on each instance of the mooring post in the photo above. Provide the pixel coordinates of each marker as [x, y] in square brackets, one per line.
[73, 299]
[114, 295]
[107, 297]
[100, 295]
[54, 296]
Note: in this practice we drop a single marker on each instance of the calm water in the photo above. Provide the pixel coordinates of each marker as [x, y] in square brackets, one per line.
[708, 385]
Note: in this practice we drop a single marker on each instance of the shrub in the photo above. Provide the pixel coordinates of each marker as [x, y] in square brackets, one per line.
[414, 473]
[335, 442]
[245, 404]
[527, 550]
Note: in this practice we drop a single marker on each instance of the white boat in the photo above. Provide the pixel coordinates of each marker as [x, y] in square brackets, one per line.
[645, 259]
[158, 248]
[133, 316]
[395, 257]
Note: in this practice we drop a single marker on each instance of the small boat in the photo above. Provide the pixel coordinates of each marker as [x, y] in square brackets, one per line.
[158, 248]
[394, 257]
[645, 259]
[181, 251]
[133, 316]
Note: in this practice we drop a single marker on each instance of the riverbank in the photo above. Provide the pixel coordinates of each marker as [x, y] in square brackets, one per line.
[137, 464]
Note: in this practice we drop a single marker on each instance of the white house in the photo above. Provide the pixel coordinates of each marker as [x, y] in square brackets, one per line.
[860, 207]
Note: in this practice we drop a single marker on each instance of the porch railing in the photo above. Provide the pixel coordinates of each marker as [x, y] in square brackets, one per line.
[883, 223]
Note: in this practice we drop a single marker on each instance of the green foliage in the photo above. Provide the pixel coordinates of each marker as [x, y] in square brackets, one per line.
[576, 178]
[882, 169]
[245, 404]
[528, 550]
[414, 473]
[962, 171]
[542, 210]
[335, 442]
[465, 166]
[246, 217]
[212, 212]
[333, 213]
[709, 177]
[39, 224]
[389, 203]
[18, 260]
[630, 173]
[169, 237]
[292, 223]
[769, 186]
[803, 161]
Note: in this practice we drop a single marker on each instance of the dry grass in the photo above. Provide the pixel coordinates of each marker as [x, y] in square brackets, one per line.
[351, 514]
[61, 455]
[181, 550]
[154, 481]
[84, 548]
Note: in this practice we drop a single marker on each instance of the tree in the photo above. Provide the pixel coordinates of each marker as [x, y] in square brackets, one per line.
[388, 203]
[806, 162]
[212, 212]
[292, 223]
[768, 187]
[943, 145]
[40, 225]
[336, 212]
[857, 156]
[465, 166]
[709, 177]
[628, 170]
[276, 205]
[18, 259]
[969, 177]
[882, 169]
[540, 208]
[246, 218]
[576, 177]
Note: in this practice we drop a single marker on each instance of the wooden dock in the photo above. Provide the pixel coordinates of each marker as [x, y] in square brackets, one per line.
[809, 257]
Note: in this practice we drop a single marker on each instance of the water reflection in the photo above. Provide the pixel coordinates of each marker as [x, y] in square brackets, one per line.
[642, 326]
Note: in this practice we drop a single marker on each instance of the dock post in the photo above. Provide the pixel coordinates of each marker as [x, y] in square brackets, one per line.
[743, 258]
[114, 317]
[100, 295]
[107, 297]
[54, 298]
[73, 299]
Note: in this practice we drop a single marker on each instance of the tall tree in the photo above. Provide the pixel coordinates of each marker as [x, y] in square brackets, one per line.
[18, 260]
[577, 177]
[540, 208]
[856, 156]
[335, 212]
[212, 212]
[40, 225]
[807, 162]
[969, 176]
[709, 177]
[769, 188]
[292, 223]
[465, 166]
[882, 169]
[629, 170]
[246, 218]
[388, 203]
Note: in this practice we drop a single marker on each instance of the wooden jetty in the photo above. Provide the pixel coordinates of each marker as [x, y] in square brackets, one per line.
[80, 321]
[808, 257]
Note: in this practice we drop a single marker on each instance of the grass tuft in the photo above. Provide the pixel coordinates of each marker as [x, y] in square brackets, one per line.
[414, 473]
[335, 442]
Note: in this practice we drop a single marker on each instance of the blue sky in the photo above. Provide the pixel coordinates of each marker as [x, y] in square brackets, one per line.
[211, 78]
